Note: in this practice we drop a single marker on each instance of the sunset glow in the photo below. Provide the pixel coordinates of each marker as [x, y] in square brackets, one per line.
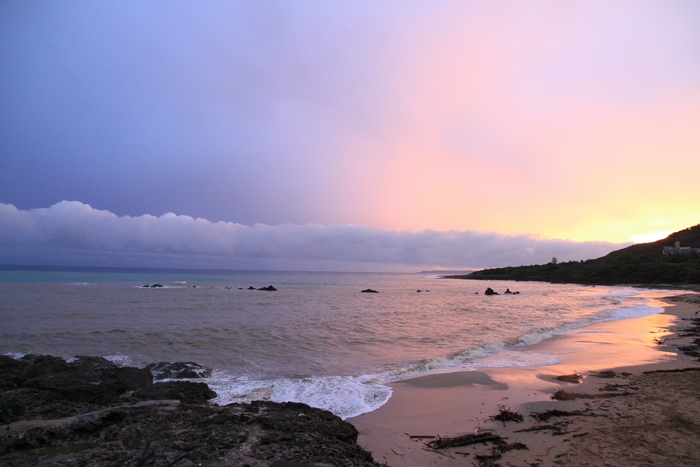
[556, 120]
[650, 237]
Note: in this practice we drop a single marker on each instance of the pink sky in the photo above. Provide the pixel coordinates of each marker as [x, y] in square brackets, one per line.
[564, 120]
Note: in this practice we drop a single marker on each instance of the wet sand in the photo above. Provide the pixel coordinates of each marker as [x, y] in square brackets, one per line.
[633, 418]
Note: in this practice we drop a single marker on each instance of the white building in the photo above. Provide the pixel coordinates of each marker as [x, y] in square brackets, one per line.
[678, 249]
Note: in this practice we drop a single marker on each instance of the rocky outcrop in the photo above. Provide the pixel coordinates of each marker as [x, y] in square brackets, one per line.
[369, 291]
[126, 419]
[490, 291]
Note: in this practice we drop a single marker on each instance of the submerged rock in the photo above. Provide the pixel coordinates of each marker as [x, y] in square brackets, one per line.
[369, 291]
[269, 288]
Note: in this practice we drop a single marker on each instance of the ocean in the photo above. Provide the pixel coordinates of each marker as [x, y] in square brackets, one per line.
[316, 339]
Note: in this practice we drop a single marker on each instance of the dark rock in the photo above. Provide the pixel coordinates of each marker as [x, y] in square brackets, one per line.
[157, 285]
[99, 386]
[251, 288]
[55, 429]
[490, 291]
[184, 391]
[269, 288]
[369, 291]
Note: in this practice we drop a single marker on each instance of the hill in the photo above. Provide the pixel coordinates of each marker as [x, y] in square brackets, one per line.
[651, 263]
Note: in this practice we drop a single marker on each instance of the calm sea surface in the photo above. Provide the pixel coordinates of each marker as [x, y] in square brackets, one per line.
[317, 339]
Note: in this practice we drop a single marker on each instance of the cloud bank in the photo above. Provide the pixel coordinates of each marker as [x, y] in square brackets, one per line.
[74, 233]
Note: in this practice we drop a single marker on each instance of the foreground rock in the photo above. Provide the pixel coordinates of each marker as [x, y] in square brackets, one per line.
[92, 412]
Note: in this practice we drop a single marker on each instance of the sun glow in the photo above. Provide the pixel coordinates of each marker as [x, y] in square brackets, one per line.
[650, 237]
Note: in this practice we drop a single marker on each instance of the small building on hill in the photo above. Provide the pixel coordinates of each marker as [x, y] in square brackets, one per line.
[678, 249]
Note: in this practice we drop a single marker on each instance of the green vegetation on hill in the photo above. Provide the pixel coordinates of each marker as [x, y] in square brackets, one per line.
[643, 263]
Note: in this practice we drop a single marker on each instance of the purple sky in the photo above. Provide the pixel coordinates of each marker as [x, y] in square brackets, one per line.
[346, 135]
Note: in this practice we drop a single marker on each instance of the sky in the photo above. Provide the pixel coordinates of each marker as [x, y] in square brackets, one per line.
[363, 135]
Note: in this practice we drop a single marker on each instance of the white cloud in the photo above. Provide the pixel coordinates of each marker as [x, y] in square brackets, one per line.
[71, 231]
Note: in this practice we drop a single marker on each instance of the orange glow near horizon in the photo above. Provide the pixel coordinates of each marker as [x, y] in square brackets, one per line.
[595, 173]
[651, 236]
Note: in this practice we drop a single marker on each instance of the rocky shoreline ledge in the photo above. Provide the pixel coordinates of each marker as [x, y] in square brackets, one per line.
[90, 411]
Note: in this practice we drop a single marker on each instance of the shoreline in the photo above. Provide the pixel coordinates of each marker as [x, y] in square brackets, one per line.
[630, 423]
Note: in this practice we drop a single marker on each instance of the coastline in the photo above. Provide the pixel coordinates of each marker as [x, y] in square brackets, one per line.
[642, 417]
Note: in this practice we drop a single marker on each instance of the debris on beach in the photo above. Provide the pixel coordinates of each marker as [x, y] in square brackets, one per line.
[611, 387]
[465, 440]
[500, 446]
[562, 395]
[507, 415]
[546, 415]
[572, 378]
[556, 428]
[489, 460]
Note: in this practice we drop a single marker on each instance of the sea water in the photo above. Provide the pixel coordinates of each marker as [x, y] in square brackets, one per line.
[317, 339]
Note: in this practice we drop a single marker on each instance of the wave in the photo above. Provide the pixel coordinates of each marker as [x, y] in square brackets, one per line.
[345, 396]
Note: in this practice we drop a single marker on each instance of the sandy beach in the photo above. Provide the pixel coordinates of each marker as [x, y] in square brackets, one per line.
[626, 405]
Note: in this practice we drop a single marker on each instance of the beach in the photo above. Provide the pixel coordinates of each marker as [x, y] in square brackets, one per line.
[630, 405]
